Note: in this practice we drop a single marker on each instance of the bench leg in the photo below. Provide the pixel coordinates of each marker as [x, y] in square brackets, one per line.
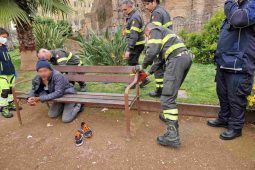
[138, 105]
[16, 102]
[127, 117]
[48, 105]
[18, 113]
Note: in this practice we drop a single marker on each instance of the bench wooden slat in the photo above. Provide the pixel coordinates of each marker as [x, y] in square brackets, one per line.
[96, 69]
[100, 78]
[98, 97]
[25, 95]
[87, 96]
[90, 101]
[103, 94]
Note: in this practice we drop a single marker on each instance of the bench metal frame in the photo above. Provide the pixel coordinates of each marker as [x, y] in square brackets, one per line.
[110, 74]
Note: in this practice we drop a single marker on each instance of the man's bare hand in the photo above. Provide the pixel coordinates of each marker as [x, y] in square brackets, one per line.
[32, 101]
[127, 55]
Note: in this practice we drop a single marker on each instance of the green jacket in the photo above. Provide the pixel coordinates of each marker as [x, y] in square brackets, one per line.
[162, 44]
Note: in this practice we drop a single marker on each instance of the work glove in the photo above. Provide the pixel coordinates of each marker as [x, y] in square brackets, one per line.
[138, 68]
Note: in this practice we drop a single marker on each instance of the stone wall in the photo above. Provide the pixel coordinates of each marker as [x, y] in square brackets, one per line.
[99, 15]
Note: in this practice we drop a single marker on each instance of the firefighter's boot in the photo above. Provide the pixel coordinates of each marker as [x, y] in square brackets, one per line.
[171, 138]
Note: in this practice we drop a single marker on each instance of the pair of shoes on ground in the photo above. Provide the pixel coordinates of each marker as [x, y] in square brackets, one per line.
[83, 133]
[230, 134]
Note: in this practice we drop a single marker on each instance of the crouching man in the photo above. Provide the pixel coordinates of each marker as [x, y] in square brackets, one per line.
[50, 84]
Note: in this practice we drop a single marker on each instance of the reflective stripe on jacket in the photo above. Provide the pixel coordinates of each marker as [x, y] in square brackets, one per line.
[63, 57]
[163, 43]
[134, 30]
[160, 17]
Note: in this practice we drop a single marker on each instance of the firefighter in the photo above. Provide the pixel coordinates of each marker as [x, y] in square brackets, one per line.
[235, 58]
[134, 34]
[169, 47]
[159, 17]
[62, 57]
[7, 77]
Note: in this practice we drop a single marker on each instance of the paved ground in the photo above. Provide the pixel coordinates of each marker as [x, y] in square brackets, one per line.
[36, 146]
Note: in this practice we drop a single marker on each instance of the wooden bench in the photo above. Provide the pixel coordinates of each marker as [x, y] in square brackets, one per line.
[104, 74]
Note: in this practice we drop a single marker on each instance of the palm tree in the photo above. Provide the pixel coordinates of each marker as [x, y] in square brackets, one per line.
[21, 12]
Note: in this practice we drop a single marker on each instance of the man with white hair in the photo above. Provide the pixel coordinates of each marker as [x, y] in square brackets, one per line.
[134, 34]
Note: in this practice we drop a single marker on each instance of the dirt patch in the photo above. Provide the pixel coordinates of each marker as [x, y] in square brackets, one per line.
[38, 146]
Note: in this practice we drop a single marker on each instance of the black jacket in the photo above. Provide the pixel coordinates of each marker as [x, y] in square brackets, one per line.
[134, 30]
[6, 65]
[236, 46]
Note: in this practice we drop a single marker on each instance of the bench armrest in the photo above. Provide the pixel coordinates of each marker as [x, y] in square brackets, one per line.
[132, 84]
[23, 81]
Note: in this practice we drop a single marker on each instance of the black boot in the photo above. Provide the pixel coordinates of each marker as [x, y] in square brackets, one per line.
[83, 87]
[231, 134]
[171, 138]
[162, 117]
[156, 93]
[217, 123]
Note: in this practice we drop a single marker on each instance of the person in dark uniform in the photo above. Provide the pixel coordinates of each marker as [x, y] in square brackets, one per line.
[235, 59]
[159, 17]
[134, 35]
[62, 57]
[170, 48]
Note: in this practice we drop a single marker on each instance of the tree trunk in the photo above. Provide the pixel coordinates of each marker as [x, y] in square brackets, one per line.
[27, 46]
[26, 39]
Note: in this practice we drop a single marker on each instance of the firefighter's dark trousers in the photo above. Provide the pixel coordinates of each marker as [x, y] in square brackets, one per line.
[175, 72]
[233, 89]
[158, 70]
[135, 54]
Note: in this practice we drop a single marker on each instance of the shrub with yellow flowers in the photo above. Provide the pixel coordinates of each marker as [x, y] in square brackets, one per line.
[251, 98]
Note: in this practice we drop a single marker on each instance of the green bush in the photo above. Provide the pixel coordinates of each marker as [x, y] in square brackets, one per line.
[203, 44]
[50, 34]
[102, 50]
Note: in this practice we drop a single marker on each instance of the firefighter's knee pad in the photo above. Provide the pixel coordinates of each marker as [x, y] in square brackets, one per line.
[5, 93]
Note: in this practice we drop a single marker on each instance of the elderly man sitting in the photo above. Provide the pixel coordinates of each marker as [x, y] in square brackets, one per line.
[50, 84]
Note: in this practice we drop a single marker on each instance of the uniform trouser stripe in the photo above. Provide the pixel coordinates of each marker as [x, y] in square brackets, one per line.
[171, 114]
[159, 83]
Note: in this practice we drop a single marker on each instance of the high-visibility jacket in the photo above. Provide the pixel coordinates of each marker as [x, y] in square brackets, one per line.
[63, 57]
[134, 30]
[160, 17]
[162, 43]
[6, 65]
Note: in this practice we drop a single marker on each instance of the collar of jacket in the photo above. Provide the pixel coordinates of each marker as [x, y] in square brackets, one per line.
[3, 48]
[131, 13]
[158, 6]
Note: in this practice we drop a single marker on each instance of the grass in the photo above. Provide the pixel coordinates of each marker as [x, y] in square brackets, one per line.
[199, 84]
